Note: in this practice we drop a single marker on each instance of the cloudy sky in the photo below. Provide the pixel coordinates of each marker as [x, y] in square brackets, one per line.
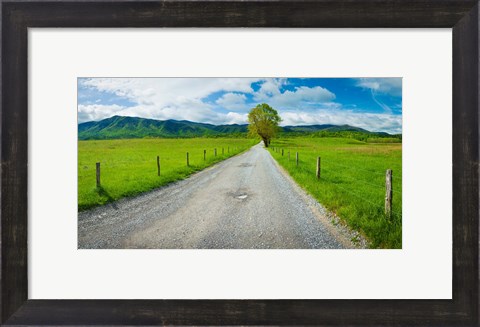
[371, 103]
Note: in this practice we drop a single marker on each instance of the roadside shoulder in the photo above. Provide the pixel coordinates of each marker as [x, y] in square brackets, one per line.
[350, 238]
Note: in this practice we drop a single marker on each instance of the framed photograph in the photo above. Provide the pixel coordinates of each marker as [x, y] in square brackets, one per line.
[239, 163]
[252, 134]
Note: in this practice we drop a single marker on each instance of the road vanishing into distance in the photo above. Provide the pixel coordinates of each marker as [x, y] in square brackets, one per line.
[244, 202]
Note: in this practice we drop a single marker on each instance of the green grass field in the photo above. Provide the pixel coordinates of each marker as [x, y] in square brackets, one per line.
[129, 167]
[352, 182]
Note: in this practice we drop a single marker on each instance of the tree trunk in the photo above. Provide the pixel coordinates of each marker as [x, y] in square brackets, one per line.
[266, 142]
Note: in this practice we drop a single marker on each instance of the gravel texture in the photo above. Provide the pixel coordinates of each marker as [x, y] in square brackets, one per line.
[245, 202]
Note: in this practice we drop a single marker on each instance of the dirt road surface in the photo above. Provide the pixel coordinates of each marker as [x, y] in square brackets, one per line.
[245, 202]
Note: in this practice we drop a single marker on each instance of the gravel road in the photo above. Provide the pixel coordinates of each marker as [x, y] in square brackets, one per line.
[245, 202]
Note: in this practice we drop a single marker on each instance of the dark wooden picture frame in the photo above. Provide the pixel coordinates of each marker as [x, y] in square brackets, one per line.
[18, 16]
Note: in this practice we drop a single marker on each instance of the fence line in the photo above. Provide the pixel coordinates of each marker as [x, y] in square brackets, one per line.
[113, 164]
[327, 165]
[357, 169]
[147, 159]
[97, 169]
[379, 186]
[360, 169]
[317, 173]
[388, 185]
[377, 205]
[399, 175]
[388, 193]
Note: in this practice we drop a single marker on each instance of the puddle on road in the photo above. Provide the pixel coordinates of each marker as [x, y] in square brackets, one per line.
[239, 194]
[245, 164]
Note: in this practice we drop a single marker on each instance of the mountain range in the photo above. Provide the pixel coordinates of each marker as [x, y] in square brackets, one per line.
[121, 127]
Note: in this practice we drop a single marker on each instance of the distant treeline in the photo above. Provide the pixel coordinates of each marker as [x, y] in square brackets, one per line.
[118, 127]
[370, 137]
[206, 136]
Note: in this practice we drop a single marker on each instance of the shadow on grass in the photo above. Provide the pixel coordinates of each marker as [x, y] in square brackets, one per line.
[103, 193]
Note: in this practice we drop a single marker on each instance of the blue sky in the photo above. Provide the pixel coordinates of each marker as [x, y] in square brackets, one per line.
[371, 103]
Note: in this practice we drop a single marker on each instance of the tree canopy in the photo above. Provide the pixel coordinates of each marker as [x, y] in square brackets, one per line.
[263, 121]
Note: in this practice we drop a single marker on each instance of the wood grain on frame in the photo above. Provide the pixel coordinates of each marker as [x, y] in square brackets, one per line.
[462, 15]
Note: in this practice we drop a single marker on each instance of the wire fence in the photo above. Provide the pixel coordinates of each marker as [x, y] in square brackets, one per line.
[355, 178]
[346, 177]
[328, 171]
[191, 159]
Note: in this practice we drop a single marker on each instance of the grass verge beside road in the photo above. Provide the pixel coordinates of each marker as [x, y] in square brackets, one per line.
[129, 167]
[352, 181]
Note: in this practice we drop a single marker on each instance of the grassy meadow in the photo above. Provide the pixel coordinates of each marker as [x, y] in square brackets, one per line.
[352, 182]
[129, 166]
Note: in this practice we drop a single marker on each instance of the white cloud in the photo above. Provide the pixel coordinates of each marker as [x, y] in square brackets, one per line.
[270, 87]
[97, 112]
[167, 91]
[182, 99]
[270, 92]
[373, 122]
[184, 109]
[382, 86]
[389, 85]
[233, 101]
[235, 118]
[303, 94]
[164, 98]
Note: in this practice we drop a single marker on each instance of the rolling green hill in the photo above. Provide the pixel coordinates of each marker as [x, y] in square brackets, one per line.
[325, 127]
[120, 127]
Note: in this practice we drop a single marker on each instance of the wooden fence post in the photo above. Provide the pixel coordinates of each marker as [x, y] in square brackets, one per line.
[188, 163]
[388, 193]
[215, 152]
[158, 165]
[297, 158]
[223, 152]
[318, 167]
[98, 174]
[204, 155]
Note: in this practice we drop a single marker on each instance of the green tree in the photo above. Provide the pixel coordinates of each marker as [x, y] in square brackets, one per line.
[263, 121]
